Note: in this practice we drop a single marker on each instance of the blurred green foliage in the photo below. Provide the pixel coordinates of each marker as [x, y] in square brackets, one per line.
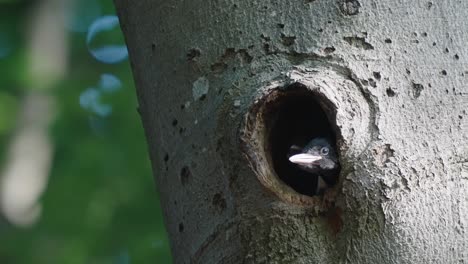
[100, 205]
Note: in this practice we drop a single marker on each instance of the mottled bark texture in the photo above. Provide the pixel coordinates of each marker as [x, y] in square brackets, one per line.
[390, 77]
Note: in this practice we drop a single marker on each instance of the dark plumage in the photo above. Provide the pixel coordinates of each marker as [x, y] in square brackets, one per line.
[319, 158]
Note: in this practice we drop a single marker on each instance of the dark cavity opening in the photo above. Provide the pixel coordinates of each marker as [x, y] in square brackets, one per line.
[296, 116]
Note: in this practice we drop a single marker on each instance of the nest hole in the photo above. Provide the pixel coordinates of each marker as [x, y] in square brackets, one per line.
[294, 116]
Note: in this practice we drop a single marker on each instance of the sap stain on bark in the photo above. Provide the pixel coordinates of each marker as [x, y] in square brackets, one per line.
[334, 220]
[358, 42]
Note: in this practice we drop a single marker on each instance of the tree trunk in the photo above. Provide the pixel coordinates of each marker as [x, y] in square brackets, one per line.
[225, 87]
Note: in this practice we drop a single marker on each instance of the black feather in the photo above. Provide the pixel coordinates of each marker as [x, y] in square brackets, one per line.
[327, 168]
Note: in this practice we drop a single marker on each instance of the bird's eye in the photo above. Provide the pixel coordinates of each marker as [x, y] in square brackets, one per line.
[324, 151]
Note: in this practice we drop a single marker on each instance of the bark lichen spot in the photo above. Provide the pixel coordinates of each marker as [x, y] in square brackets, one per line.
[350, 7]
[200, 88]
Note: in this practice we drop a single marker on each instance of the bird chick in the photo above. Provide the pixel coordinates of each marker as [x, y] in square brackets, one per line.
[319, 158]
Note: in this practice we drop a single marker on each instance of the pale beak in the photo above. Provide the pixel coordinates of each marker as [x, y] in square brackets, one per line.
[304, 159]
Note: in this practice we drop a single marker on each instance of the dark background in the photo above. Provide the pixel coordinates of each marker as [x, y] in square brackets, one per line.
[100, 203]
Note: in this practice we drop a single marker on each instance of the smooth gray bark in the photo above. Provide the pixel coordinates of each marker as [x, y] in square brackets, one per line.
[395, 73]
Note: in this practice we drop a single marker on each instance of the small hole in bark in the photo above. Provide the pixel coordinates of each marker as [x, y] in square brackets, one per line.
[181, 227]
[377, 75]
[185, 175]
[293, 118]
[390, 92]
